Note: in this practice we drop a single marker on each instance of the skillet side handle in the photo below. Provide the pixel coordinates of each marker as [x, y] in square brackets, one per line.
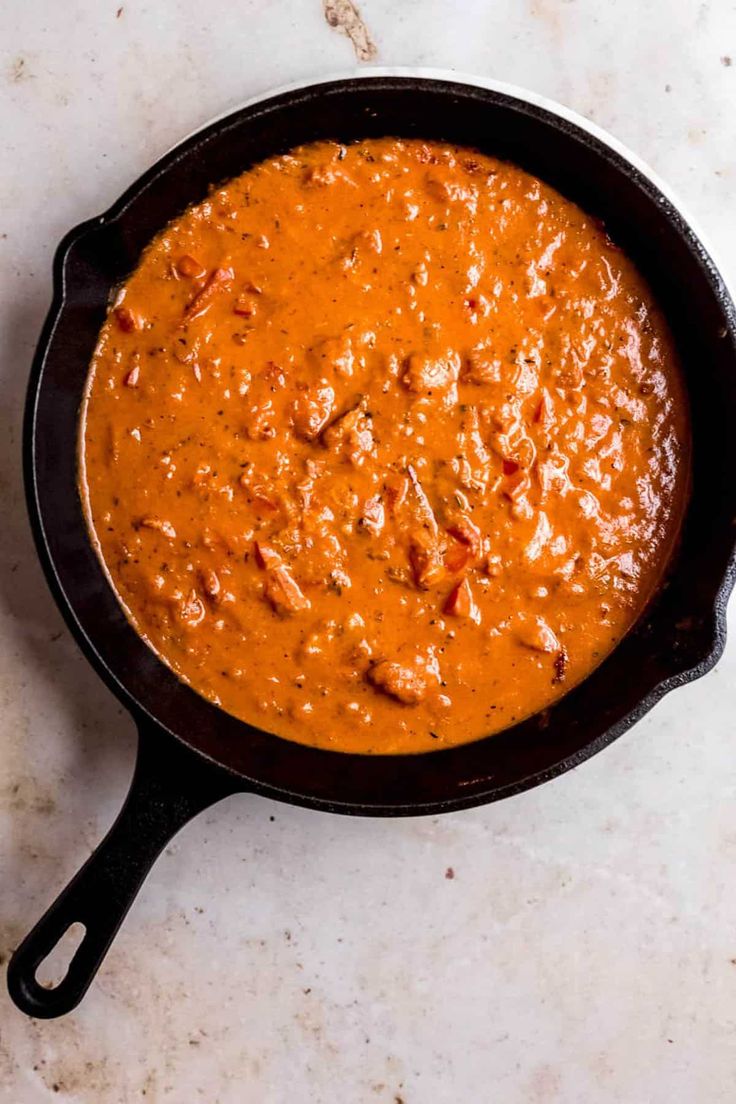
[170, 786]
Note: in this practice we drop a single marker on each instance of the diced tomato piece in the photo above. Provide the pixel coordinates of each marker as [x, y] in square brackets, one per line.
[266, 556]
[468, 533]
[283, 591]
[457, 557]
[517, 485]
[281, 588]
[127, 321]
[190, 267]
[220, 279]
[460, 602]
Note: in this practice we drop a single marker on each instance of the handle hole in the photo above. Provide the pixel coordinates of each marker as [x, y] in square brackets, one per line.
[54, 968]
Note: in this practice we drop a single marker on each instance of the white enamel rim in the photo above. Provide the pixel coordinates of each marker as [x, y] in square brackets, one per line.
[505, 88]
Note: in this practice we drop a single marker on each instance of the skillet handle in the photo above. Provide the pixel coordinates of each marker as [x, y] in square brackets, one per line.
[170, 785]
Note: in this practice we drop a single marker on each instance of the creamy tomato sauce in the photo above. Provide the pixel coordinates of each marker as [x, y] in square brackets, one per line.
[385, 446]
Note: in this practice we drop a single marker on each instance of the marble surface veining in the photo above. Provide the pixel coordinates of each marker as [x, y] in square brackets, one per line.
[585, 948]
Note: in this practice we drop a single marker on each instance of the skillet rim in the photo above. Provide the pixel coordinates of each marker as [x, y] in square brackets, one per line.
[556, 115]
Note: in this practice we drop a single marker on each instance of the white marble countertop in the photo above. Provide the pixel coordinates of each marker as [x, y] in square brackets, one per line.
[585, 950]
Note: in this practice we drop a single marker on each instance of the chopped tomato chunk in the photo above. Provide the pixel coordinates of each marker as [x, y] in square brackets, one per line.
[190, 267]
[457, 556]
[220, 279]
[467, 533]
[283, 592]
[127, 320]
[460, 602]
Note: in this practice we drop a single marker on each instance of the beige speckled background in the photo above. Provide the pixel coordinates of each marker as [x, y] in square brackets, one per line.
[585, 950]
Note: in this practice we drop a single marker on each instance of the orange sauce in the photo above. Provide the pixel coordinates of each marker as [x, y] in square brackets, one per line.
[385, 446]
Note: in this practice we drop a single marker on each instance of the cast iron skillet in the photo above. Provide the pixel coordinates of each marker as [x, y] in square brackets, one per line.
[190, 753]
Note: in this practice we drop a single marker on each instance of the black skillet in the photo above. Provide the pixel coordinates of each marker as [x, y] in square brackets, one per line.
[190, 753]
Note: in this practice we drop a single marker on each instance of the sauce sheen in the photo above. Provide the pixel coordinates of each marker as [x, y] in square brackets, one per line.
[384, 446]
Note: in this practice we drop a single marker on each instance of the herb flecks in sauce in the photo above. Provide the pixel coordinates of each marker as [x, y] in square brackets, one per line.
[385, 446]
